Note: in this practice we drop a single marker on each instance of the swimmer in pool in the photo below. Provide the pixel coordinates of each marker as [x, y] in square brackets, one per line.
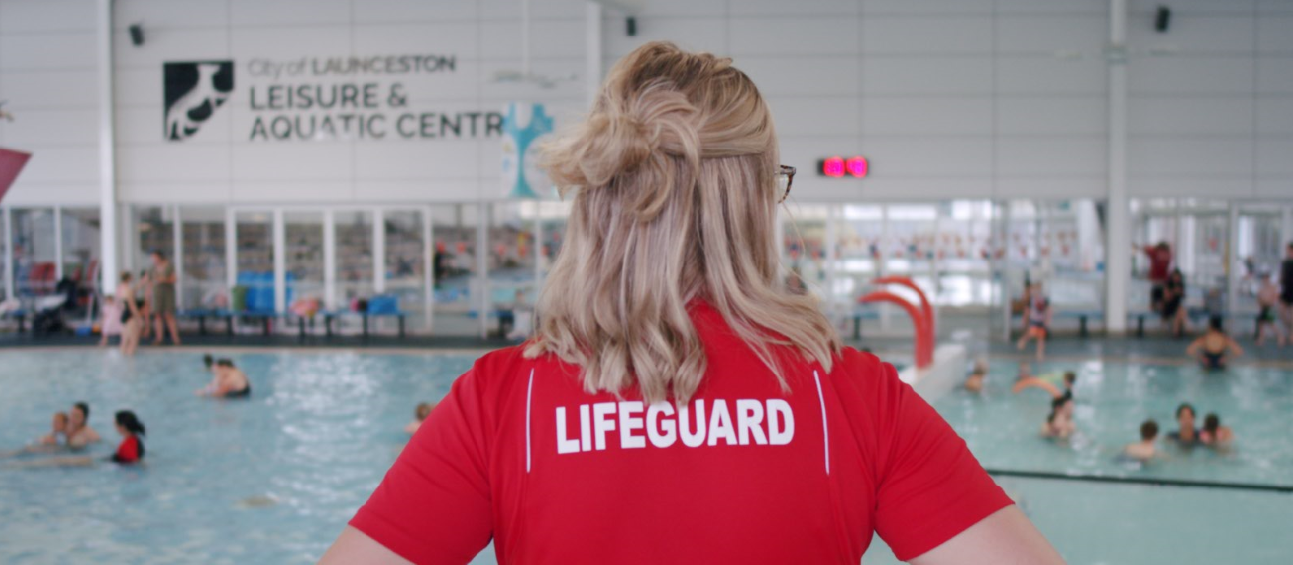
[79, 432]
[129, 451]
[420, 414]
[974, 382]
[46, 443]
[1214, 434]
[1214, 348]
[209, 362]
[58, 428]
[1059, 424]
[228, 382]
[1186, 433]
[1144, 450]
[1047, 382]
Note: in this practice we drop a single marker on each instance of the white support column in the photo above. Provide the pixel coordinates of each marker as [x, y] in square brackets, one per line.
[592, 49]
[379, 251]
[1118, 245]
[483, 216]
[58, 243]
[280, 262]
[230, 251]
[329, 260]
[428, 270]
[1232, 260]
[8, 254]
[107, 151]
[177, 255]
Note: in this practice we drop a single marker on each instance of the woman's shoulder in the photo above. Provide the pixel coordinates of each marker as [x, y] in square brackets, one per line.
[509, 365]
[864, 377]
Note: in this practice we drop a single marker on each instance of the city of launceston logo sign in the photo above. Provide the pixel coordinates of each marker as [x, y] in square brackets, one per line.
[193, 91]
[306, 99]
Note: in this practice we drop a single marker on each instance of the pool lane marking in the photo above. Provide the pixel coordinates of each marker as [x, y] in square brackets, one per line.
[826, 439]
[1165, 361]
[1286, 489]
[529, 396]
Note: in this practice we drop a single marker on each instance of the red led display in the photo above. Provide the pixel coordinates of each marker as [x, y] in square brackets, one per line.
[833, 167]
[838, 167]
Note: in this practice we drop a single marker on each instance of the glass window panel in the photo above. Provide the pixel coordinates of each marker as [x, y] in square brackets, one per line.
[203, 282]
[405, 263]
[254, 258]
[81, 247]
[156, 232]
[354, 255]
[454, 268]
[303, 259]
[33, 251]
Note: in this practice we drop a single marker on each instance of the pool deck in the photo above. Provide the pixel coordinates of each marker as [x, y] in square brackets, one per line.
[1150, 349]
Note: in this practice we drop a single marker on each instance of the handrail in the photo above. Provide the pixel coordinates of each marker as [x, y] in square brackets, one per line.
[924, 349]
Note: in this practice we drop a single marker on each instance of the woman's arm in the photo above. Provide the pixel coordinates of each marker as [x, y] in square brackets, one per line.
[54, 462]
[1004, 538]
[1193, 349]
[353, 546]
[1234, 347]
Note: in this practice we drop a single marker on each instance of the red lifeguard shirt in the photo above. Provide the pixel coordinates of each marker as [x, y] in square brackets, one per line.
[744, 473]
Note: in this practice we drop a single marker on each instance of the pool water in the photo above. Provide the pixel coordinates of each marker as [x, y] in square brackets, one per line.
[274, 479]
[1111, 401]
[269, 480]
[1123, 524]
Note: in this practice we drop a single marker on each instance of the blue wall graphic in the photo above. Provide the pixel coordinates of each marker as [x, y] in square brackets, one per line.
[520, 177]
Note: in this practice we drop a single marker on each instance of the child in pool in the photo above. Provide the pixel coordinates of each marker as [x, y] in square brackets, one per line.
[1144, 450]
[974, 382]
[423, 410]
[1059, 425]
[47, 443]
[1214, 349]
[131, 449]
[1213, 433]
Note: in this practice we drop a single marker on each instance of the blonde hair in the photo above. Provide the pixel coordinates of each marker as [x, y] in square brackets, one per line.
[674, 175]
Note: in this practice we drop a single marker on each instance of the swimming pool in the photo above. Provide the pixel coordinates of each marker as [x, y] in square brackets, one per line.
[273, 480]
[270, 480]
[1112, 399]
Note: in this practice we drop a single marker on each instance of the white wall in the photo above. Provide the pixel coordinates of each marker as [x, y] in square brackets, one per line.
[948, 98]
[1006, 98]
[960, 98]
[222, 164]
[1211, 102]
[48, 76]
